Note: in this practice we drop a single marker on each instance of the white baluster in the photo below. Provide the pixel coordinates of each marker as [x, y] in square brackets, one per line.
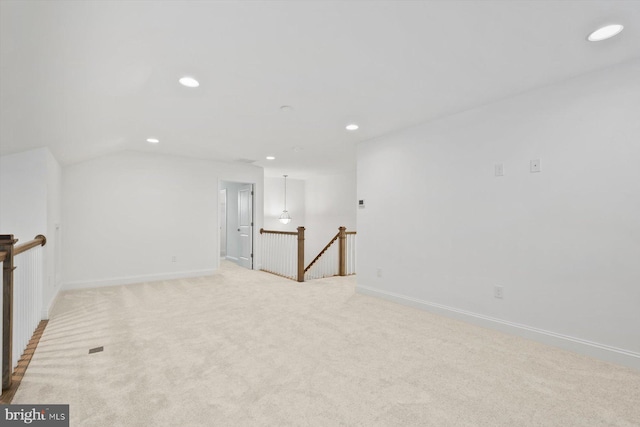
[267, 254]
[279, 252]
[265, 246]
[287, 254]
[293, 256]
[27, 299]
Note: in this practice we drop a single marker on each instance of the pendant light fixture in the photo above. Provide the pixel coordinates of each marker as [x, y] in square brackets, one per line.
[285, 218]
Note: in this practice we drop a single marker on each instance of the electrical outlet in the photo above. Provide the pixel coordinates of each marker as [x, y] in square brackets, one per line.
[535, 165]
[499, 169]
[497, 292]
[174, 259]
[379, 272]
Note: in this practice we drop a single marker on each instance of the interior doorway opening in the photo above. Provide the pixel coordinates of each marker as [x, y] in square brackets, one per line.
[236, 222]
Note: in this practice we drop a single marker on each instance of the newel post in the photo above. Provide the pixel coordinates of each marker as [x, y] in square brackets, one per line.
[300, 254]
[342, 250]
[7, 243]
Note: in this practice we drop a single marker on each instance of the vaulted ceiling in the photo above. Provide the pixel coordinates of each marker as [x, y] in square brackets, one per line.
[87, 78]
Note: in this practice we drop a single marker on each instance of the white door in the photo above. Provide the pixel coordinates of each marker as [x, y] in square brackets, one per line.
[245, 225]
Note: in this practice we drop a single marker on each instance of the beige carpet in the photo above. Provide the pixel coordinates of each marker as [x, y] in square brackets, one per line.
[245, 348]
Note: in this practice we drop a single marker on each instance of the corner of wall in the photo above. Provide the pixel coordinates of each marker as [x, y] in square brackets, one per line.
[46, 310]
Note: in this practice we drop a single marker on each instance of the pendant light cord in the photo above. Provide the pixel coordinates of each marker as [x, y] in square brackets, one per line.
[285, 192]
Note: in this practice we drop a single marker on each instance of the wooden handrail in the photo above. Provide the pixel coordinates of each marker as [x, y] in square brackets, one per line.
[39, 240]
[3, 256]
[322, 251]
[291, 233]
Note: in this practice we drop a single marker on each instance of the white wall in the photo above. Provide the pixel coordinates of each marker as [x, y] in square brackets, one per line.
[564, 243]
[330, 203]
[30, 199]
[127, 214]
[23, 194]
[53, 248]
[274, 203]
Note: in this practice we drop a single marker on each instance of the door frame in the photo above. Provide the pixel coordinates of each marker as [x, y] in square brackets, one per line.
[222, 221]
[221, 186]
[243, 188]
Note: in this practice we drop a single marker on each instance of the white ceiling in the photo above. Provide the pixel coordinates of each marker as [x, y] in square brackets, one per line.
[87, 78]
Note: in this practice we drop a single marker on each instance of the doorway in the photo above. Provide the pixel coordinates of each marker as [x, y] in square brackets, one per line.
[222, 212]
[236, 222]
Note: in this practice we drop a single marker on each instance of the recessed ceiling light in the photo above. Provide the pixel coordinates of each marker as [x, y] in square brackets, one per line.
[153, 140]
[270, 158]
[189, 81]
[605, 32]
[286, 108]
[352, 126]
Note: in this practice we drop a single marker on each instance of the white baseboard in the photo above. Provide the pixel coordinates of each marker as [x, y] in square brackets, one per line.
[84, 284]
[231, 258]
[577, 345]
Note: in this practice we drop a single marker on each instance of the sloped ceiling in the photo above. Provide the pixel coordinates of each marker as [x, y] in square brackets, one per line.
[87, 78]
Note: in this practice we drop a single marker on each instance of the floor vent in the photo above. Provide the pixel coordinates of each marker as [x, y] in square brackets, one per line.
[96, 350]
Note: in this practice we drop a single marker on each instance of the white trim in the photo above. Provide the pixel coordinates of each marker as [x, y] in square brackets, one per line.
[231, 258]
[577, 345]
[83, 284]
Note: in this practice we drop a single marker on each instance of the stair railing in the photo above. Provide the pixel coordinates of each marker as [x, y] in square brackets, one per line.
[21, 297]
[349, 256]
[283, 253]
[327, 262]
[334, 260]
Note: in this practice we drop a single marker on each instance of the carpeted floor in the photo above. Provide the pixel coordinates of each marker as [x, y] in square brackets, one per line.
[245, 348]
